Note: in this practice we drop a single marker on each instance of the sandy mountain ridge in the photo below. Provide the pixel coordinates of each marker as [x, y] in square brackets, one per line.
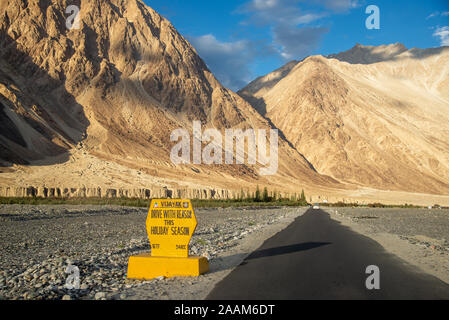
[373, 116]
[89, 112]
[93, 108]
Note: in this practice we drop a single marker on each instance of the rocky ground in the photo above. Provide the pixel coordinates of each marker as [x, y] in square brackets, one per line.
[40, 242]
[418, 236]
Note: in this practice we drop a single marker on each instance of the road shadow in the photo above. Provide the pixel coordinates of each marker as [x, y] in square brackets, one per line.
[230, 262]
[286, 249]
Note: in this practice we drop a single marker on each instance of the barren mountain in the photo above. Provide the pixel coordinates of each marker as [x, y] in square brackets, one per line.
[374, 116]
[90, 111]
[95, 106]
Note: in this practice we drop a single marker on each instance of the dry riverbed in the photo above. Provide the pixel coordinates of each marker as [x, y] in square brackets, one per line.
[39, 242]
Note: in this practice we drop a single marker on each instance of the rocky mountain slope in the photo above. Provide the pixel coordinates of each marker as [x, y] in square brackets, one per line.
[372, 116]
[95, 106]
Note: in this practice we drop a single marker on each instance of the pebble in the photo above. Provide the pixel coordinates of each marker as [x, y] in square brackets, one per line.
[100, 295]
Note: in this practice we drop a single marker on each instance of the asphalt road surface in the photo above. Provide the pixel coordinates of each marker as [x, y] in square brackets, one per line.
[318, 258]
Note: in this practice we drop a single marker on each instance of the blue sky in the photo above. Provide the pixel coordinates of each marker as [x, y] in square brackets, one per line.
[242, 39]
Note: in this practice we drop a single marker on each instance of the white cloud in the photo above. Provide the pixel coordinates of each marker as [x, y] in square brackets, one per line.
[229, 61]
[437, 14]
[434, 14]
[308, 18]
[265, 4]
[277, 11]
[292, 37]
[443, 34]
[338, 5]
[294, 43]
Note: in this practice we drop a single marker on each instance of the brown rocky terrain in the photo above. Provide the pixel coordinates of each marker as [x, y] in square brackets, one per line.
[372, 116]
[94, 107]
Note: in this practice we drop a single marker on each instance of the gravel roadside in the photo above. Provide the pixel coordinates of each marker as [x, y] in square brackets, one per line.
[40, 242]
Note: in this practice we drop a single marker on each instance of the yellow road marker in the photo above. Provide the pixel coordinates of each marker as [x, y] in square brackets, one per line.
[170, 226]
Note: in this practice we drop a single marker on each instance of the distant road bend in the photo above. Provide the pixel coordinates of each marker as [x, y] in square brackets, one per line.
[318, 258]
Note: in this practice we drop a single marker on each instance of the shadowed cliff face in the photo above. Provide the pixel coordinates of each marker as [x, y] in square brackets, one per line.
[121, 67]
[115, 88]
[131, 73]
[39, 117]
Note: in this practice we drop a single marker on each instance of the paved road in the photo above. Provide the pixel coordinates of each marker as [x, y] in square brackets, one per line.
[318, 258]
